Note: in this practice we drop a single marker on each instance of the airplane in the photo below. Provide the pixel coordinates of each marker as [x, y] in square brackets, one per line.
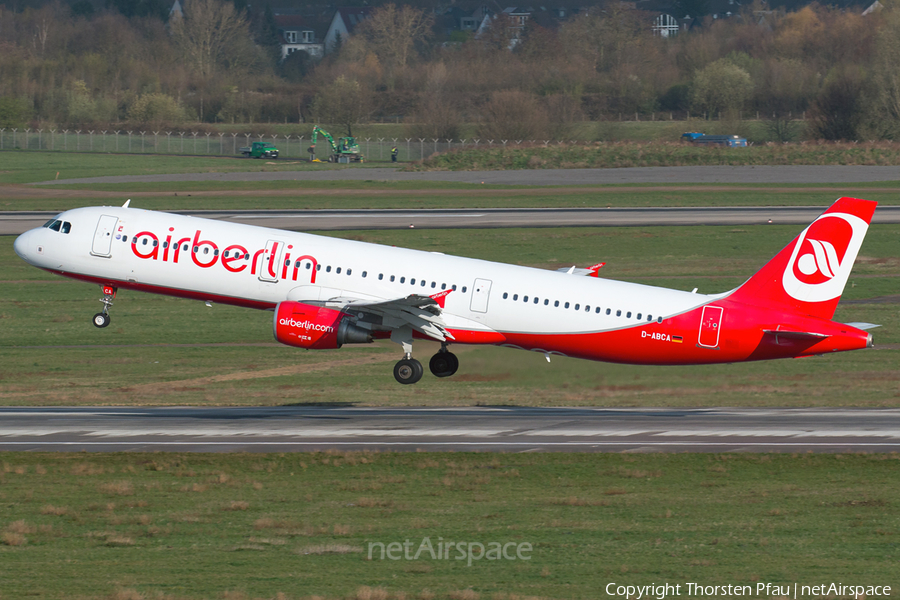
[327, 292]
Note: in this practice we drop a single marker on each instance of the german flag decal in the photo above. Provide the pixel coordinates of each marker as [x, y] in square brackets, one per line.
[677, 339]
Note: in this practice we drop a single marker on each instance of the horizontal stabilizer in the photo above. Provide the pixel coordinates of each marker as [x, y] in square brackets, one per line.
[864, 326]
[795, 335]
[592, 271]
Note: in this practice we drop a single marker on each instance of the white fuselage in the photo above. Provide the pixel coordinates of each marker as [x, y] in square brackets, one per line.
[185, 256]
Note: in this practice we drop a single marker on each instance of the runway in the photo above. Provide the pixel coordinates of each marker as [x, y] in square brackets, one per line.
[13, 223]
[484, 429]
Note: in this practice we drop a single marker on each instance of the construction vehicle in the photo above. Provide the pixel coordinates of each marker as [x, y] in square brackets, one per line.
[345, 150]
[259, 150]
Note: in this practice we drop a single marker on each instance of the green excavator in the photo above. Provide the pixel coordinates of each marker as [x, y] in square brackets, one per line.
[345, 150]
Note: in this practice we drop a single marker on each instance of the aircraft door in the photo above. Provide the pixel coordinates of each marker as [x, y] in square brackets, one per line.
[481, 292]
[710, 326]
[102, 244]
[270, 261]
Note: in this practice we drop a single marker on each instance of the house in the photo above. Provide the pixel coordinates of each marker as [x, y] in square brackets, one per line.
[298, 33]
[342, 25]
[512, 19]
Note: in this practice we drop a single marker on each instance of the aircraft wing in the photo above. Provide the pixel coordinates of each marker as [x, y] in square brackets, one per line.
[592, 271]
[422, 313]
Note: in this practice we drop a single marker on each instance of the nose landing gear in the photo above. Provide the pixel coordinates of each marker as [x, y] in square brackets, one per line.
[102, 318]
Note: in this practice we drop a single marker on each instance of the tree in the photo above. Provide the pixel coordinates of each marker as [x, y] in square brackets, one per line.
[721, 86]
[210, 35]
[342, 102]
[13, 112]
[838, 112]
[393, 33]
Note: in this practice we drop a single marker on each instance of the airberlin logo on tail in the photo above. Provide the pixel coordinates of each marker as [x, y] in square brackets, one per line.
[823, 257]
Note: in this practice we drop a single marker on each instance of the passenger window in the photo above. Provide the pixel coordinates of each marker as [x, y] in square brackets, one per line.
[628, 315]
[308, 265]
[337, 271]
[349, 271]
[505, 295]
[618, 313]
[328, 269]
[567, 305]
[464, 290]
[597, 310]
[515, 296]
[454, 287]
[318, 267]
[423, 282]
[185, 249]
[144, 242]
[411, 281]
[536, 300]
[546, 302]
[639, 316]
[608, 310]
[205, 250]
[380, 276]
[443, 286]
[524, 298]
[287, 263]
[556, 303]
[433, 284]
[125, 239]
[403, 280]
[587, 308]
[364, 274]
[67, 227]
[196, 249]
[659, 320]
[649, 318]
[577, 307]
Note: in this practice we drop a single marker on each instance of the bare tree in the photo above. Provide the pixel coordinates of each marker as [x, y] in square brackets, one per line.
[209, 34]
[393, 32]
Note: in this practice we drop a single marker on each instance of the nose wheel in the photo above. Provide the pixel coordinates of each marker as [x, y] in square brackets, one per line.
[102, 318]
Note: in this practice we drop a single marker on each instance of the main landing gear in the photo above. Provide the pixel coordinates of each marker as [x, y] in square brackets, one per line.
[408, 370]
[102, 319]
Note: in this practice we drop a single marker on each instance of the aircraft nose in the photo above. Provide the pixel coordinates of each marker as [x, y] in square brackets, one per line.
[23, 246]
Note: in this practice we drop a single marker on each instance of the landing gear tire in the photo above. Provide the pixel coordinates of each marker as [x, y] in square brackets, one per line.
[443, 364]
[408, 371]
[101, 320]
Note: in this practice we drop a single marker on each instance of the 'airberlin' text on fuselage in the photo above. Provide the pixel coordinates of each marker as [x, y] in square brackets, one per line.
[234, 258]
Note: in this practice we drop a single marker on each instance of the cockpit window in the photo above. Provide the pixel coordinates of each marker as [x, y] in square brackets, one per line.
[66, 227]
[55, 225]
[49, 223]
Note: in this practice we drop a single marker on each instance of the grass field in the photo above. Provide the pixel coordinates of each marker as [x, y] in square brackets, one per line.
[162, 350]
[240, 526]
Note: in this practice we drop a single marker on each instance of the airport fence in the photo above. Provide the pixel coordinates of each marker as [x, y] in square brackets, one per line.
[198, 143]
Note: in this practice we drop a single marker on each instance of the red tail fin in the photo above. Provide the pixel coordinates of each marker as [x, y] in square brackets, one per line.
[809, 275]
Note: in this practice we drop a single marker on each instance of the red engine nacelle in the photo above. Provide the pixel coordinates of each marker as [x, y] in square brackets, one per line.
[314, 327]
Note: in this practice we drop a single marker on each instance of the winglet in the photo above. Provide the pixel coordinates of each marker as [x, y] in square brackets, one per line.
[441, 297]
[595, 269]
[127, 202]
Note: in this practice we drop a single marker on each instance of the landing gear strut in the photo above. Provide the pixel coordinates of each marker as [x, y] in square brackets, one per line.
[444, 363]
[102, 319]
[408, 370]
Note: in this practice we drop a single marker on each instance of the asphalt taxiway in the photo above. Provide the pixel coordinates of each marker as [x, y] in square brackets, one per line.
[494, 429]
[14, 223]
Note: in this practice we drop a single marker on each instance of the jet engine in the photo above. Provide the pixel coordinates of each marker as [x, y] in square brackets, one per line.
[315, 327]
